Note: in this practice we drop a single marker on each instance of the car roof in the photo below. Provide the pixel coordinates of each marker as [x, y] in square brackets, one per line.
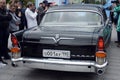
[94, 7]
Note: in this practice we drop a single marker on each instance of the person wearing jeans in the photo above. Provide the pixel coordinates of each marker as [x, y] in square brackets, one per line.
[117, 10]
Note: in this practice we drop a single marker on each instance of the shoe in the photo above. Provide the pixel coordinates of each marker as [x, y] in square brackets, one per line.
[4, 62]
[2, 65]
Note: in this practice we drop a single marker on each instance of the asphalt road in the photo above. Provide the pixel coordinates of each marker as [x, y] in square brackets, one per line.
[24, 73]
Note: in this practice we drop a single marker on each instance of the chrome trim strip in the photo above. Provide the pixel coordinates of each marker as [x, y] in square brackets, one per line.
[63, 62]
[56, 39]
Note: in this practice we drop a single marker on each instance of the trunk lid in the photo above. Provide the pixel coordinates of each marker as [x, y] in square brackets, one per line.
[72, 36]
[80, 44]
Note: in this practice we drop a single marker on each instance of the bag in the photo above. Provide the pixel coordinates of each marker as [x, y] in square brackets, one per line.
[9, 42]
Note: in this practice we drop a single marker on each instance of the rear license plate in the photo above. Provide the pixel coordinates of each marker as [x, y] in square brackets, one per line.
[56, 53]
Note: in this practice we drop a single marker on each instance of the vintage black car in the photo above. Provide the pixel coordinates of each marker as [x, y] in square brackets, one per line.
[70, 38]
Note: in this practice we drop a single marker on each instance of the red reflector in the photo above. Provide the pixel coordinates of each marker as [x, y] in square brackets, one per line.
[100, 44]
[14, 40]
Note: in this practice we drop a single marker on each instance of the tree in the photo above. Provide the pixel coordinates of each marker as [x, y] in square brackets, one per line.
[7, 1]
[23, 1]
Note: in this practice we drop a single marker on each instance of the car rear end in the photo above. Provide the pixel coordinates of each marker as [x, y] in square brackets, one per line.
[64, 49]
[75, 58]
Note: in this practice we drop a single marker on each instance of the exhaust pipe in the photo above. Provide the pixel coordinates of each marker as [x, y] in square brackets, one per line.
[14, 64]
[100, 71]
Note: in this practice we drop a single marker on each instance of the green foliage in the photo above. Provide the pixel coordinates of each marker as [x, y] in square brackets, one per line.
[7, 1]
[24, 1]
[97, 2]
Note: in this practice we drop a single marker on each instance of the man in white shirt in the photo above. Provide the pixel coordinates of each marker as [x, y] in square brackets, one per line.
[31, 15]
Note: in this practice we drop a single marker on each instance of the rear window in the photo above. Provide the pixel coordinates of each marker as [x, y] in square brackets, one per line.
[71, 18]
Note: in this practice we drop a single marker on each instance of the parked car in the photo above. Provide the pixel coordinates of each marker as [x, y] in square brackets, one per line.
[70, 38]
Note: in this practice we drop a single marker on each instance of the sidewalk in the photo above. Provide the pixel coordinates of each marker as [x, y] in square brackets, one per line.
[2, 65]
[114, 34]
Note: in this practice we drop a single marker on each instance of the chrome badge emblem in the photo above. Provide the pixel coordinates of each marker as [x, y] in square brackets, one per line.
[57, 38]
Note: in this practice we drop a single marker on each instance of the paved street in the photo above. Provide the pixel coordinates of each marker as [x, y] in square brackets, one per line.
[24, 73]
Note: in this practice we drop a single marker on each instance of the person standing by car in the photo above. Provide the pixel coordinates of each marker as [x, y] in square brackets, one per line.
[4, 33]
[107, 6]
[20, 12]
[40, 13]
[31, 16]
[46, 2]
[15, 22]
[117, 9]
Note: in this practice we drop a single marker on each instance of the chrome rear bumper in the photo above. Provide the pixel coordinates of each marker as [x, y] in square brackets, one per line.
[62, 65]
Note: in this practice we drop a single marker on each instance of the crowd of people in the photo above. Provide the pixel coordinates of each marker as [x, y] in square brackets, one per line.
[116, 15]
[15, 17]
[113, 9]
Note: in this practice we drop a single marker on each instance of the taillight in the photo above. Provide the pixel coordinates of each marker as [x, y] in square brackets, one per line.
[15, 50]
[100, 54]
[14, 40]
[100, 57]
[100, 44]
